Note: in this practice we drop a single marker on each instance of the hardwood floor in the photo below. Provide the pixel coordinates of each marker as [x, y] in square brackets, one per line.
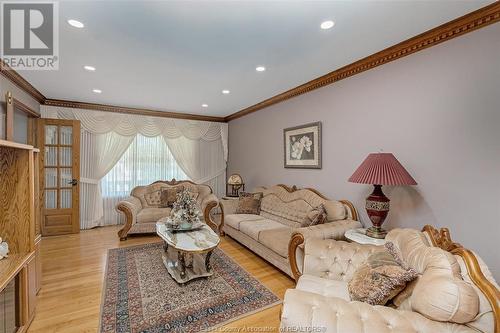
[72, 280]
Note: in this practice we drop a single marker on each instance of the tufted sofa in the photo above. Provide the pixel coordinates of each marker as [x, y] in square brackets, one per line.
[142, 208]
[283, 209]
[455, 291]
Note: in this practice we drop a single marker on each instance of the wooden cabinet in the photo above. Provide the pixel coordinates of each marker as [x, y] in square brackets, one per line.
[21, 269]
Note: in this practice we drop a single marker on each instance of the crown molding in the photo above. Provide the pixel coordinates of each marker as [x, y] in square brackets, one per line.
[475, 20]
[128, 110]
[19, 81]
[26, 109]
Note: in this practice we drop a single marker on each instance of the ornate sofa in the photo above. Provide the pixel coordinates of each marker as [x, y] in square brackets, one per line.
[282, 211]
[142, 209]
[454, 292]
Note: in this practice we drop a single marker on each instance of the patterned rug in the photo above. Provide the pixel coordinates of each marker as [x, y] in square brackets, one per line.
[140, 296]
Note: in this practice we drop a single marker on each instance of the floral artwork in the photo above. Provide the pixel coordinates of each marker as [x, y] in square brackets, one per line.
[303, 146]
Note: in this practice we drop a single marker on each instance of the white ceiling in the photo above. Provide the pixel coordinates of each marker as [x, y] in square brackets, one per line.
[175, 56]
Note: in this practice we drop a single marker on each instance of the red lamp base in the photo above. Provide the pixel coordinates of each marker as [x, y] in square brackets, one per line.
[377, 208]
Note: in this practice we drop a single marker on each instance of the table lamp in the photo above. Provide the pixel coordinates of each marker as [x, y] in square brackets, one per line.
[380, 169]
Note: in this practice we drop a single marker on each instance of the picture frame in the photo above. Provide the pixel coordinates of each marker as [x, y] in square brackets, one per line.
[302, 146]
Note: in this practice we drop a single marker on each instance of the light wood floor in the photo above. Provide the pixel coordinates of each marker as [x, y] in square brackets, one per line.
[73, 272]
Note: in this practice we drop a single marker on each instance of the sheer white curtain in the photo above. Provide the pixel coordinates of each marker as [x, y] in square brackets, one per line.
[99, 153]
[146, 160]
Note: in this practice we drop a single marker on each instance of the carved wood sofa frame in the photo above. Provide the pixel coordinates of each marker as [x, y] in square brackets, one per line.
[122, 233]
[440, 238]
[293, 188]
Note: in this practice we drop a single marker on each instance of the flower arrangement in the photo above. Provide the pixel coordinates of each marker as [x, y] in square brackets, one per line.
[185, 209]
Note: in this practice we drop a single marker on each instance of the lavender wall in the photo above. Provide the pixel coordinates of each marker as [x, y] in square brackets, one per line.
[438, 111]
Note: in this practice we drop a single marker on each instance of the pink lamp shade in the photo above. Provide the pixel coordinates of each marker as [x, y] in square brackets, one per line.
[382, 169]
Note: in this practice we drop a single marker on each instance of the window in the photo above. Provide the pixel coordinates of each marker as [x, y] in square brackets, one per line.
[145, 161]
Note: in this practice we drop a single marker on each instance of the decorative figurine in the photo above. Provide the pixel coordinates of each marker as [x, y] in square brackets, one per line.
[4, 249]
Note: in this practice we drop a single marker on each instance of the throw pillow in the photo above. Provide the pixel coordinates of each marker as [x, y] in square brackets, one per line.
[335, 210]
[380, 278]
[249, 203]
[316, 216]
[169, 196]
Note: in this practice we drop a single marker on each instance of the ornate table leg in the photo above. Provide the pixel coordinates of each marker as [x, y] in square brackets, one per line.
[182, 263]
[165, 247]
[207, 261]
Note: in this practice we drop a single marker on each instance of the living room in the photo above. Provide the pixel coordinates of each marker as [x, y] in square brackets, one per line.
[249, 166]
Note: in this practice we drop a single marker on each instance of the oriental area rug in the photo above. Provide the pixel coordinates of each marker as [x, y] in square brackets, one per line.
[139, 295]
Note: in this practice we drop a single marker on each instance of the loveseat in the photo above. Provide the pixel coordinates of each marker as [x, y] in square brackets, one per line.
[282, 212]
[143, 208]
[454, 290]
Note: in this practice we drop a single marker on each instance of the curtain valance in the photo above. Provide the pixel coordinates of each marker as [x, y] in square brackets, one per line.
[99, 122]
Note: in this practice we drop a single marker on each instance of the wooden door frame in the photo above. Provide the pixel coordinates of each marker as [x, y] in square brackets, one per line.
[75, 166]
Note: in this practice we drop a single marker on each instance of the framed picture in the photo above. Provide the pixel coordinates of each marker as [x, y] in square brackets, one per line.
[302, 146]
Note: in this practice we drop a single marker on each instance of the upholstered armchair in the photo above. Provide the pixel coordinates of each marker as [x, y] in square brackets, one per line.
[142, 209]
[454, 290]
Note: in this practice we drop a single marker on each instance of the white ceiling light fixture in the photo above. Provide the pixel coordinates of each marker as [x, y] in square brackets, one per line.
[76, 24]
[225, 91]
[89, 68]
[204, 105]
[327, 25]
[260, 68]
[97, 91]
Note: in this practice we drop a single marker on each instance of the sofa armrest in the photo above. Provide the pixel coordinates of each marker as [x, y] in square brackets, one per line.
[228, 207]
[332, 230]
[130, 206]
[315, 313]
[207, 204]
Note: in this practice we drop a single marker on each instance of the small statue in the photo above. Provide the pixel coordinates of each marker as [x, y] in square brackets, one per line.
[4, 249]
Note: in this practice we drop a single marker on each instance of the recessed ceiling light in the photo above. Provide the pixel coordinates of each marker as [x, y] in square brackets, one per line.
[89, 68]
[97, 91]
[260, 68]
[327, 25]
[204, 105]
[225, 91]
[76, 24]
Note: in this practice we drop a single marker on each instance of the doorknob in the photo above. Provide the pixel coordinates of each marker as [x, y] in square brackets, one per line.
[73, 182]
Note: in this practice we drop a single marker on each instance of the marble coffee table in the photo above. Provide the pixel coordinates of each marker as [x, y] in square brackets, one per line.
[187, 253]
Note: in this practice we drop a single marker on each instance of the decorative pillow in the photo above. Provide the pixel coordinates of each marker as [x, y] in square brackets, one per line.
[335, 210]
[380, 278]
[169, 196]
[315, 216]
[249, 203]
[153, 198]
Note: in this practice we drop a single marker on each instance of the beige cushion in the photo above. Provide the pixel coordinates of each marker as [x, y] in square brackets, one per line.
[276, 240]
[234, 220]
[440, 293]
[305, 311]
[253, 228]
[335, 210]
[324, 287]
[152, 214]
